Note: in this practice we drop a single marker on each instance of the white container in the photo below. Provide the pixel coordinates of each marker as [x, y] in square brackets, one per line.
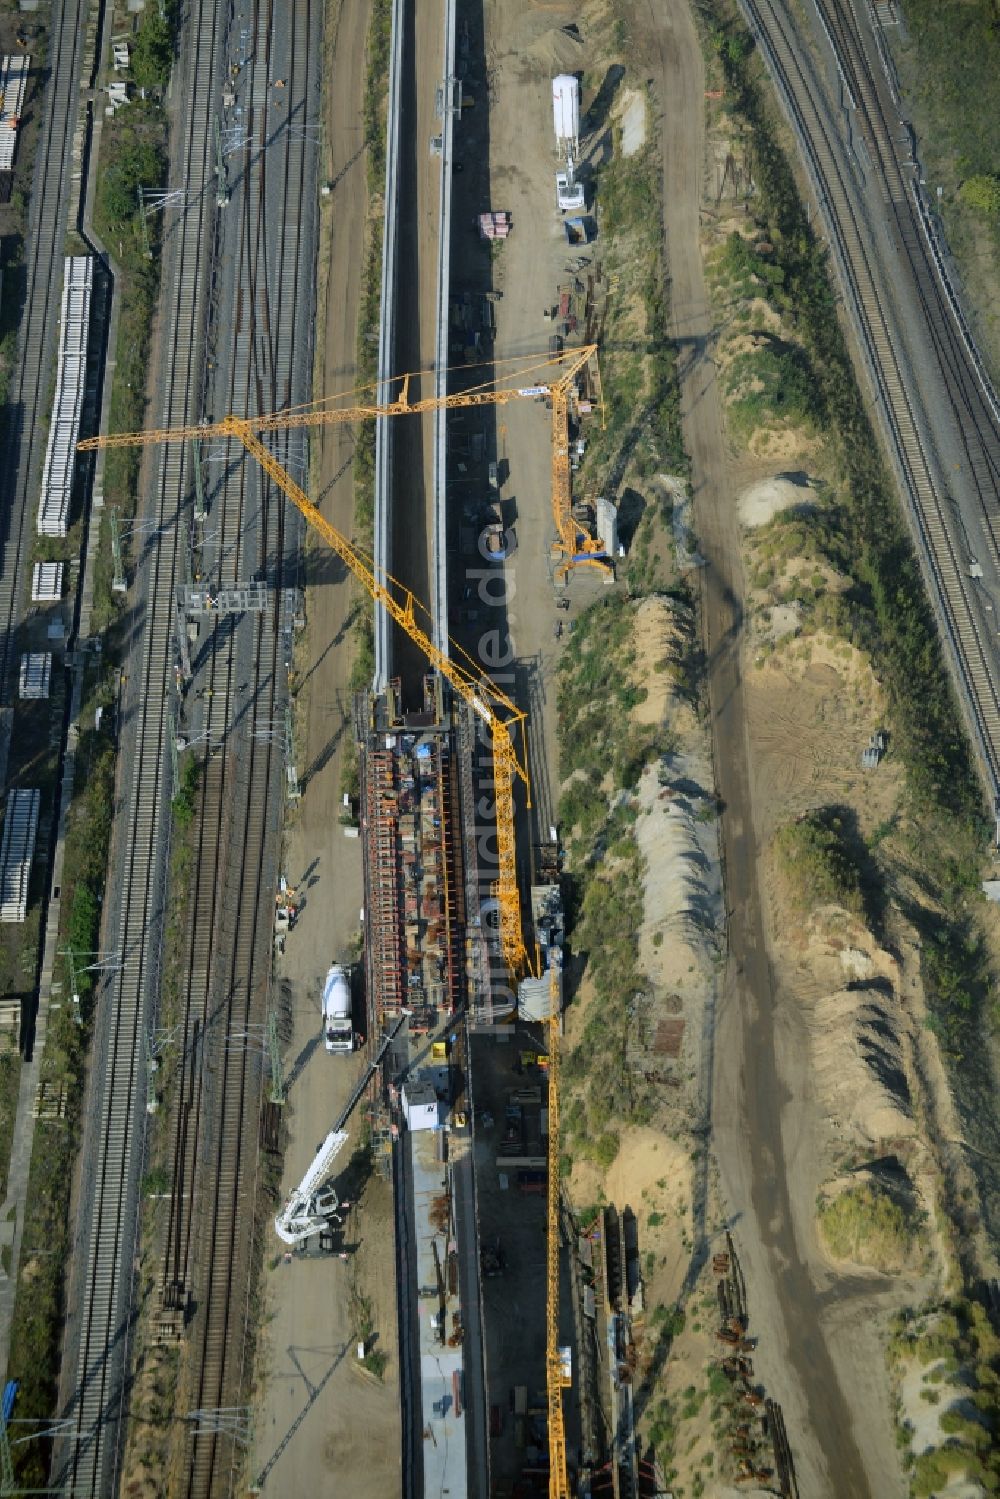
[566, 109]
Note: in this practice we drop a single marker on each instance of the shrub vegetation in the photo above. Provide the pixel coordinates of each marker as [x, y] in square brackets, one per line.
[865, 1225]
[960, 1352]
[815, 860]
[883, 609]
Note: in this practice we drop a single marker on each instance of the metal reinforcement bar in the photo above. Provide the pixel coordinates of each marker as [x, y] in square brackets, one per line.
[67, 405]
[387, 349]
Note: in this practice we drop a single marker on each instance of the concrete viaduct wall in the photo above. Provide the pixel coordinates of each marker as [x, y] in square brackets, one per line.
[438, 581]
[439, 552]
[387, 349]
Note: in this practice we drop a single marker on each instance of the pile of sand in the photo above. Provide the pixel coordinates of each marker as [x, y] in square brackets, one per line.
[633, 118]
[677, 834]
[685, 553]
[854, 1021]
[558, 49]
[682, 891]
[762, 501]
[663, 632]
[859, 1065]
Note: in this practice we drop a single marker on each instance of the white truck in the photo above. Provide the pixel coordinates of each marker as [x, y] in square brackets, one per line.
[570, 194]
[338, 1025]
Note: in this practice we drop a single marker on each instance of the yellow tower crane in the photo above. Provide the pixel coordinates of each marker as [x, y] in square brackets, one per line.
[481, 693]
[487, 700]
[553, 377]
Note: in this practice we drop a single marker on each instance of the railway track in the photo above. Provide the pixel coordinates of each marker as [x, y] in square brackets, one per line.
[23, 433]
[968, 647]
[965, 385]
[219, 1088]
[102, 1295]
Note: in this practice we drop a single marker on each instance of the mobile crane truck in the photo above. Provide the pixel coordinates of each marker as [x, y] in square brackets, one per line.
[314, 1202]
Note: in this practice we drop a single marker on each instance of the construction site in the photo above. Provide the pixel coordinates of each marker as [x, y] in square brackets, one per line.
[446, 1047]
[512, 1353]
[418, 956]
[462, 972]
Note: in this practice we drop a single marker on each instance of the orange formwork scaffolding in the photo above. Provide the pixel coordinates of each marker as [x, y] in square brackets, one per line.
[383, 916]
[452, 890]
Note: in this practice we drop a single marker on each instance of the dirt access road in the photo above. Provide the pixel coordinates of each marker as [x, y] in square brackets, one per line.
[317, 1416]
[757, 1076]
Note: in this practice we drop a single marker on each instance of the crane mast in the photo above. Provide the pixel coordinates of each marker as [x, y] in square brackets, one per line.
[554, 1375]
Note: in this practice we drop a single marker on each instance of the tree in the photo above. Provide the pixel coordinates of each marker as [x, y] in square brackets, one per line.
[153, 52]
[981, 193]
[136, 160]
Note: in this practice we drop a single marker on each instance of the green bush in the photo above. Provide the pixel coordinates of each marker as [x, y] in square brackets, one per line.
[185, 799]
[376, 90]
[958, 1339]
[133, 156]
[772, 382]
[813, 857]
[606, 1149]
[670, 1320]
[153, 48]
[87, 838]
[863, 1224]
[982, 193]
[958, 62]
[156, 1182]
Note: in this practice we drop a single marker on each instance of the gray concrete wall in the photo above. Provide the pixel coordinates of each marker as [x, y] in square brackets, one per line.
[386, 351]
[439, 557]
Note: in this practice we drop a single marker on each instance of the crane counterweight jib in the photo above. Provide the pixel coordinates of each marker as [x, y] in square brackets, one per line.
[561, 370]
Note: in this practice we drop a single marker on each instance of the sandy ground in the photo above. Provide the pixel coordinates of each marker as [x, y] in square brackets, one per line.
[821, 1355]
[521, 52]
[317, 1415]
[811, 708]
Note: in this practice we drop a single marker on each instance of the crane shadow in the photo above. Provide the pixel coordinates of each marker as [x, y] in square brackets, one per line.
[315, 1390]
